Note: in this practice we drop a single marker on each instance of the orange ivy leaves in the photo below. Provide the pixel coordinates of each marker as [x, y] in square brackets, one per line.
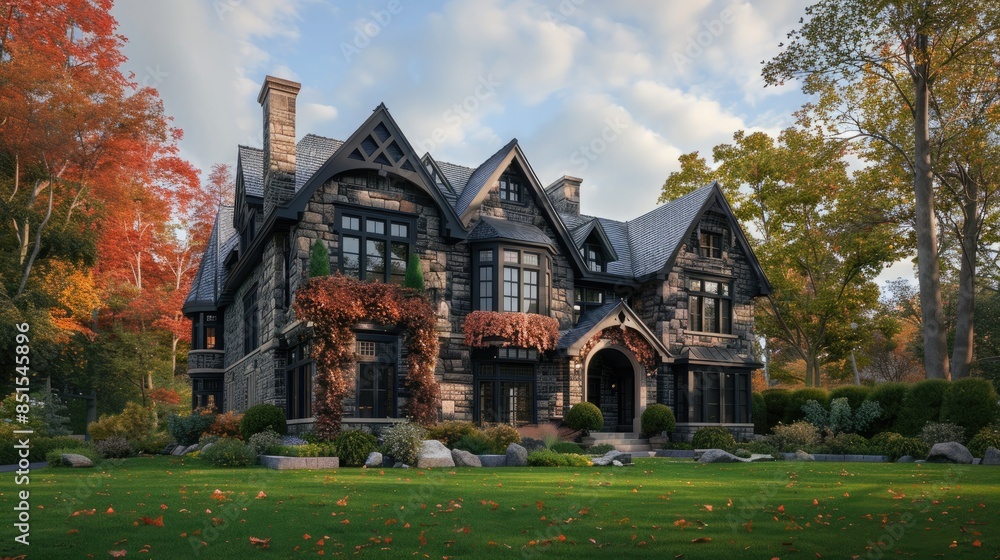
[628, 338]
[521, 330]
[335, 304]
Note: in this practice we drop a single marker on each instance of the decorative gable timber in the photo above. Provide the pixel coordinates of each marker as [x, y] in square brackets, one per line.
[614, 314]
[697, 204]
[378, 145]
[487, 175]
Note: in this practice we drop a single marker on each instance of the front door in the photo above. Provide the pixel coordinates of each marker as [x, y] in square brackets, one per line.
[611, 387]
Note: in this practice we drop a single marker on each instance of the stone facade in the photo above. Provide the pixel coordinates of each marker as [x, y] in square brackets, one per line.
[270, 265]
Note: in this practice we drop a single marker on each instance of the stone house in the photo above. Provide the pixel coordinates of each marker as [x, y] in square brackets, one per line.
[655, 309]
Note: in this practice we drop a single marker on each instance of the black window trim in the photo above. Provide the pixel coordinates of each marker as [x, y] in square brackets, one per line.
[365, 213]
[728, 281]
[515, 179]
[544, 269]
[299, 357]
[251, 319]
[698, 417]
[362, 336]
[497, 377]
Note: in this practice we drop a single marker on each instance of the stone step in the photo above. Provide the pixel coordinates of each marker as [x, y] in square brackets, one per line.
[602, 437]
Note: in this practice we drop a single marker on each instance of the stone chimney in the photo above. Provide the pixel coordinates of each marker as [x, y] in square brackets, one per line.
[277, 97]
[565, 194]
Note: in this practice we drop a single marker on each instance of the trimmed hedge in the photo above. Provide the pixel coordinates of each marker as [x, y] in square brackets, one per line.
[759, 410]
[890, 397]
[776, 401]
[922, 404]
[585, 416]
[450, 432]
[354, 446]
[855, 394]
[260, 417]
[970, 402]
[228, 452]
[187, 430]
[798, 399]
[713, 437]
[986, 438]
[658, 418]
[475, 443]
[567, 447]
[549, 458]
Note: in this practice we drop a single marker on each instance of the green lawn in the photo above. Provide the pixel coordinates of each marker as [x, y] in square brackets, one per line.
[657, 508]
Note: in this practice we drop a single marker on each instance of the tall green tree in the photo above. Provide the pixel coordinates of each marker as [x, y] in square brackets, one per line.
[903, 49]
[819, 234]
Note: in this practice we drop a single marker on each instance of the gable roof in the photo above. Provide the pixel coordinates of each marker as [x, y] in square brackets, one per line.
[477, 183]
[583, 232]
[656, 236]
[612, 314]
[495, 228]
[211, 275]
[251, 161]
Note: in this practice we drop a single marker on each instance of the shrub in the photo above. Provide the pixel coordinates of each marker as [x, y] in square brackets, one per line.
[154, 443]
[764, 446]
[354, 446]
[855, 394]
[450, 432]
[402, 441]
[798, 399]
[759, 410]
[678, 445]
[476, 443]
[414, 277]
[41, 446]
[229, 452]
[322, 449]
[600, 448]
[942, 432]
[657, 418]
[54, 457]
[840, 418]
[263, 443]
[986, 438]
[713, 437]
[532, 444]
[846, 444]
[187, 430]
[226, 425]
[897, 445]
[585, 416]
[500, 436]
[890, 397]
[260, 417]
[134, 423]
[567, 447]
[800, 435]
[549, 458]
[970, 402]
[319, 260]
[115, 447]
[776, 401]
[922, 404]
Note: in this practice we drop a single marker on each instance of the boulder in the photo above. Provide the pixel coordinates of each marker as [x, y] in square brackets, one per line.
[374, 460]
[493, 460]
[803, 456]
[719, 456]
[950, 452]
[400, 465]
[463, 458]
[905, 459]
[617, 463]
[517, 456]
[433, 453]
[76, 461]
[207, 445]
[191, 449]
[178, 451]
[168, 449]
[610, 457]
[991, 457]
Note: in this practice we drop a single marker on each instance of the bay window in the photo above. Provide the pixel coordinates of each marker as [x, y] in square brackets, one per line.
[510, 280]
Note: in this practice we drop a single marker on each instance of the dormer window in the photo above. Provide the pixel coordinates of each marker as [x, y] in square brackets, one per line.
[710, 243]
[510, 188]
[594, 257]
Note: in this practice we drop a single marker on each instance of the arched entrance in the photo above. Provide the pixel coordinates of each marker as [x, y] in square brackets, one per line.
[611, 386]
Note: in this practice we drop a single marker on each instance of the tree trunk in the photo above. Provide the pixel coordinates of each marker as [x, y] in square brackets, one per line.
[928, 272]
[961, 357]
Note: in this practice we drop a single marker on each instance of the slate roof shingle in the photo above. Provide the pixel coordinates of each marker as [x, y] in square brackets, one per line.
[251, 161]
[494, 228]
[209, 279]
[587, 321]
[477, 181]
[311, 153]
[654, 236]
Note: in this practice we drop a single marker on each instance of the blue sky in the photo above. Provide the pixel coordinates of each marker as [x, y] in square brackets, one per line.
[611, 92]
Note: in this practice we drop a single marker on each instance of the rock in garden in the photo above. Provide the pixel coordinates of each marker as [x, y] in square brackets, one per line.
[191, 449]
[803, 456]
[76, 461]
[207, 445]
[168, 449]
[991, 457]
[374, 460]
[463, 458]
[617, 463]
[950, 452]
[719, 456]
[179, 450]
[400, 465]
[609, 457]
[517, 456]
[905, 459]
[433, 453]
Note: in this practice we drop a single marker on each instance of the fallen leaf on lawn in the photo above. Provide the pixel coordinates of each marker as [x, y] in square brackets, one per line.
[263, 543]
[702, 540]
[682, 523]
[781, 508]
[342, 502]
[163, 507]
[562, 538]
[306, 537]
[977, 544]
[117, 553]
[708, 507]
[72, 531]
[815, 502]
[540, 504]
[261, 495]
[218, 495]
[729, 503]
[345, 522]
[423, 539]
[110, 511]
[593, 541]
[954, 544]
[748, 526]
[157, 522]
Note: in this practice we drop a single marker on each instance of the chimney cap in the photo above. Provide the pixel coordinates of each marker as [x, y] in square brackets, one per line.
[280, 84]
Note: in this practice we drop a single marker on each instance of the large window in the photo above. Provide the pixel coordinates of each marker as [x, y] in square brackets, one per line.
[720, 397]
[251, 321]
[710, 306]
[376, 380]
[518, 287]
[505, 393]
[375, 247]
[511, 189]
[299, 383]
[206, 332]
